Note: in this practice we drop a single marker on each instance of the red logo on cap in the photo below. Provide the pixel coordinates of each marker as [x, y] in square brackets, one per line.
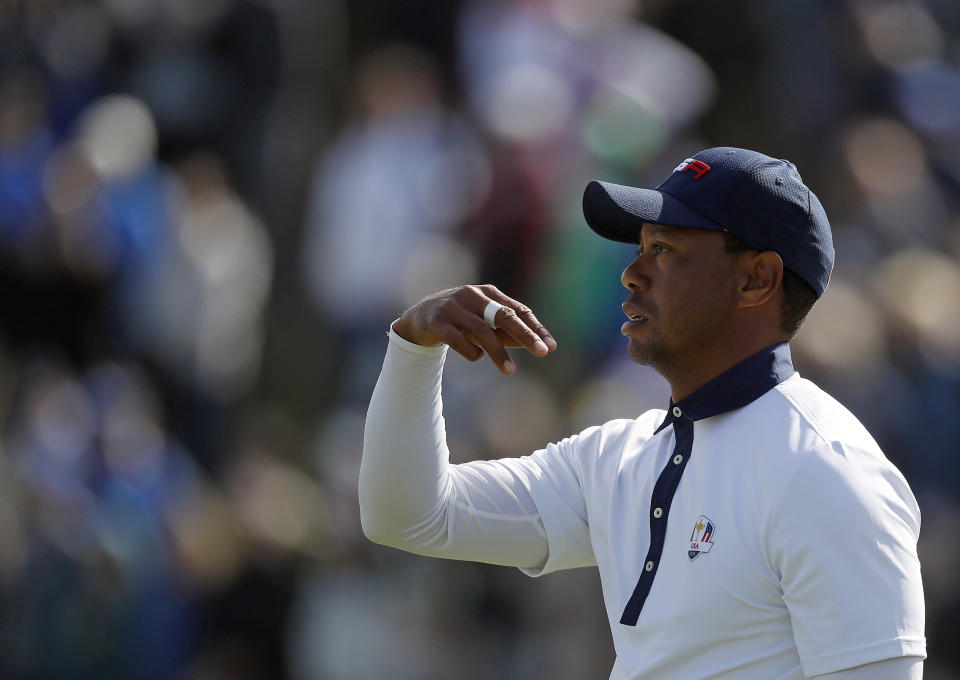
[699, 168]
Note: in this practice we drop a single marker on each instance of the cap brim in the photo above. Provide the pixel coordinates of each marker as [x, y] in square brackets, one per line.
[617, 212]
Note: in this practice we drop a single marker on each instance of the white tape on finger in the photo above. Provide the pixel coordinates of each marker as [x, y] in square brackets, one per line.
[490, 313]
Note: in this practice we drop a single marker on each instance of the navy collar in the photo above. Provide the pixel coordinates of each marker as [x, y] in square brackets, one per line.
[735, 387]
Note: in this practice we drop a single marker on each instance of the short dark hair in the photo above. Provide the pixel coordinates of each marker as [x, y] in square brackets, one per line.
[798, 295]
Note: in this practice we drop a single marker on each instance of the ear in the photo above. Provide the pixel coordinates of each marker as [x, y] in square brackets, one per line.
[761, 276]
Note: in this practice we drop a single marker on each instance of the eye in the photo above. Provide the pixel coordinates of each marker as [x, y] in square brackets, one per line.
[656, 247]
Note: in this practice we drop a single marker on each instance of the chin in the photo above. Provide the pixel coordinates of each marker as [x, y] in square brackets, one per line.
[644, 354]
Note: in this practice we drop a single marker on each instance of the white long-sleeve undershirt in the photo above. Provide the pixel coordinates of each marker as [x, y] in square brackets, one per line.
[412, 498]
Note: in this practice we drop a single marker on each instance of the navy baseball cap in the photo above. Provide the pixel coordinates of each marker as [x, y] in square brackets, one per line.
[759, 199]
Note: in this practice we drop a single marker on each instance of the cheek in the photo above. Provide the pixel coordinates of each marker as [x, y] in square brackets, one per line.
[709, 294]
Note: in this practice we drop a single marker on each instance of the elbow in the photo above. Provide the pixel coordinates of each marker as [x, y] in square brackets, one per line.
[398, 527]
[396, 518]
[371, 517]
[370, 530]
[374, 528]
[383, 529]
[369, 521]
[377, 523]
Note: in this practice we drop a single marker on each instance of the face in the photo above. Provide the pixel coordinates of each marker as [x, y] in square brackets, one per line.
[682, 295]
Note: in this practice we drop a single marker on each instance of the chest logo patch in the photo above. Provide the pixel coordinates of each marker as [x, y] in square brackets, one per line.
[701, 540]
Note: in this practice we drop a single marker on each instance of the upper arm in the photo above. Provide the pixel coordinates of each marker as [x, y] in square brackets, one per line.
[488, 515]
[526, 512]
[843, 541]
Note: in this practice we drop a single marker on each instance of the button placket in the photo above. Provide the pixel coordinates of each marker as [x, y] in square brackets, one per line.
[733, 389]
[663, 493]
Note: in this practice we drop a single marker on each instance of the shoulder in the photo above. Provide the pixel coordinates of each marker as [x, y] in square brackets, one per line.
[795, 421]
[811, 458]
[836, 464]
[822, 414]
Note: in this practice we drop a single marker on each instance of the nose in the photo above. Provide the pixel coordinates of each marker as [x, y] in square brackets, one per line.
[634, 277]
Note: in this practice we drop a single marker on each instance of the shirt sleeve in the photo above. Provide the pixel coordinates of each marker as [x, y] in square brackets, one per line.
[902, 668]
[502, 512]
[843, 539]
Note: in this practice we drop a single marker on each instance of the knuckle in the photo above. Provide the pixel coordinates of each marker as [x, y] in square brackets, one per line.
[479, 327]
[508, 312]
[454, 336]
[523, 310]
[435, 316]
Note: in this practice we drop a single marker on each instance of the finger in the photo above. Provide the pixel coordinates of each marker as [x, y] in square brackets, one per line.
[460, 342]
[506, 365]
[517, 333]
[521, 323]
[525, 314]
[480, 333]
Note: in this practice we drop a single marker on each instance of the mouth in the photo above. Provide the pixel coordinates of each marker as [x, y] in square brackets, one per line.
[632, 311]
[635, 318]
[634, 323]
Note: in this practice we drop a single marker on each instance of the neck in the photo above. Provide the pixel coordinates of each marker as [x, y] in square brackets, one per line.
[702, 366]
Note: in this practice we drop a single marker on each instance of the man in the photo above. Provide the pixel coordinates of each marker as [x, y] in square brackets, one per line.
[754, 530]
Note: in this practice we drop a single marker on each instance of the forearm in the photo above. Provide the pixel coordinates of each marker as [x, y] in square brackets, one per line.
[410, 495]
[403, 473]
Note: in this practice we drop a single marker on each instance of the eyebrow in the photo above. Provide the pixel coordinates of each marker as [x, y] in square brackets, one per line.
[653, 230]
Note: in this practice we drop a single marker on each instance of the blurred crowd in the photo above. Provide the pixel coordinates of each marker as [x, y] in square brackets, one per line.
[211, 211]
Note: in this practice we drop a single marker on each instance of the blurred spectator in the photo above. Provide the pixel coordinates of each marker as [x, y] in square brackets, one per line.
[387, 199]
[25, 145]
[207, 287]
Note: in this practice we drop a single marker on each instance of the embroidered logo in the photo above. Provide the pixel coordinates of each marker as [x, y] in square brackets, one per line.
[700, 539]
[699, 168]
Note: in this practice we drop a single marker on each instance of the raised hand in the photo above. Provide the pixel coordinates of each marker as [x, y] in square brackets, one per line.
[455, 317]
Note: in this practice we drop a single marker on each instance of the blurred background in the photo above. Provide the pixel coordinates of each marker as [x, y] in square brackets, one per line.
[211, 211]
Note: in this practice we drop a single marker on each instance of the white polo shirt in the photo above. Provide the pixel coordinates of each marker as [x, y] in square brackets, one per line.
[754, 531]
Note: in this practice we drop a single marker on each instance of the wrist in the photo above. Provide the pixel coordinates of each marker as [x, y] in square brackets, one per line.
[405, 330]
[406, 347]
